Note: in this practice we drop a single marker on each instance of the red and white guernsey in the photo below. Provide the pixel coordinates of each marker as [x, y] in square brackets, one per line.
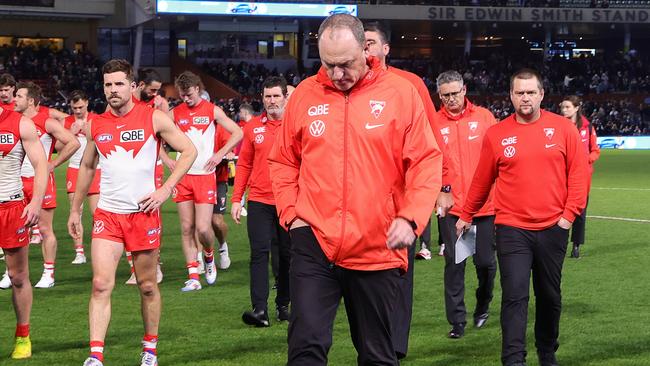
[75, 159]
[128, 151]
[12, 155]
[46, 139]
[198, 125]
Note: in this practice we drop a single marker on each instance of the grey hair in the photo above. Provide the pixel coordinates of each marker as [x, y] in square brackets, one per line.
[344, 21]
[449, 76]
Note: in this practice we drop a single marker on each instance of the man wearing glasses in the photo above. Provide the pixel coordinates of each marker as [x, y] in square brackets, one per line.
[463, 126]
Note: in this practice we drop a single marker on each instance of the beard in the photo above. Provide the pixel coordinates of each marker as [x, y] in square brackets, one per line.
[145, 97]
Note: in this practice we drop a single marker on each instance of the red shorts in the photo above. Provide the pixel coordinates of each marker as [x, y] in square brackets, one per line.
[197, 188]
[13, 233]
[71, 181]
[138, 231]
[160, 175]
[49, 200]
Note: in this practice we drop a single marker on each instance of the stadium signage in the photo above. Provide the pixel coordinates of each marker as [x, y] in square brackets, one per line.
[488, 14]
[238, 8]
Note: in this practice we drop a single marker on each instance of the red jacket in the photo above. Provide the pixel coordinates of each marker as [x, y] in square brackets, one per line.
[448, 170]
[590, 141]
[252, 166]
[463, 135]
[349, 163]
[540, 170]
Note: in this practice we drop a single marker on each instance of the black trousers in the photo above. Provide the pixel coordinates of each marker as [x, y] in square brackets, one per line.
[520, 252]
[578, 228]
[404, 308]
[484, 262]
[425, 238]
[317, 287]
[264, 229]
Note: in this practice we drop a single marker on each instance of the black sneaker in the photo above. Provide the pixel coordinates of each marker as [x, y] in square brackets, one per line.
[258, 318]
[547, 359]
[457, 331]
[575, 253]
[282, 313]
[480, 320]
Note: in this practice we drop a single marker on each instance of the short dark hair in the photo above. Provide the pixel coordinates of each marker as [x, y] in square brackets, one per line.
[148, 76]
[33, 90]
[188, 79]
[117, 65]
[247, 107]
[344, 21]
[527, 74]
[7, 79]
[379, 29]
[78, 95]
[273, 81]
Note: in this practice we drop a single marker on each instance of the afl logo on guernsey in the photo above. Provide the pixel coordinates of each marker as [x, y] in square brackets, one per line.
[7, 139]
[183, 122]
[105, 137]
[132, 136]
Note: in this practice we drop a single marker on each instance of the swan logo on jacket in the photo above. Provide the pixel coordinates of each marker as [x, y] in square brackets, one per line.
[376, 107]
[549, 132]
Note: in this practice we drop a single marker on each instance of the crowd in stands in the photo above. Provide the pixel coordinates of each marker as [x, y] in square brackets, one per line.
[64, 71]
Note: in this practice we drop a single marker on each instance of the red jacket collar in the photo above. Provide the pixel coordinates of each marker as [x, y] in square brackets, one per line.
[374, 70]
[469, 108]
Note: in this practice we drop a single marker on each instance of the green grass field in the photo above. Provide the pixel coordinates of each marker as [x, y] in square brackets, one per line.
[604, 321]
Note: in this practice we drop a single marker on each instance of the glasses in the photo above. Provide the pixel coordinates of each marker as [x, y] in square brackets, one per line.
[454, 95]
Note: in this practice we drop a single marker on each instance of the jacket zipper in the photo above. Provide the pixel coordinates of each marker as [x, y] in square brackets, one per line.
[345, 176]
[460, 157]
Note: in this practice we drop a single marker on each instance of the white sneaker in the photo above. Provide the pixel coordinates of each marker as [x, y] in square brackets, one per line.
[35, 239]
[5, 283]
[243, 211]
[191, 285]
[92, 361]
[424, 253]
[442, 250]
[159, 274]
[46, 281]
[79, 259]
[224, 258]
[148, 359]
[132, 280]
[210, 273]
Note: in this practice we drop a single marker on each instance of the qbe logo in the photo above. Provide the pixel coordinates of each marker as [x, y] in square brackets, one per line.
[201, 120]
[132, 135]
[7, 139]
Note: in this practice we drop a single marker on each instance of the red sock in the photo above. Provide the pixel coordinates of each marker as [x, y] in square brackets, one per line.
[97, 350]
[208, 254]
[22, 330]
[149, 343]
[193, 270]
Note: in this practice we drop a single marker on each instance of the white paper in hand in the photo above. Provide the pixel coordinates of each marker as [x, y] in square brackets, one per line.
[466, 244]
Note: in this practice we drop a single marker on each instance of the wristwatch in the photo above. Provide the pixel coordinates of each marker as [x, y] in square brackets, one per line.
[446, 188]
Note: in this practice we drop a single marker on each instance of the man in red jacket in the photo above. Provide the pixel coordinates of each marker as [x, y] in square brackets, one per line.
[263, 226]
[463, 126]
[355, 173]
[541, 177]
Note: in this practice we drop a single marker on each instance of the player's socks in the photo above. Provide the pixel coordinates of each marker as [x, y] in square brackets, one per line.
[193, 270]
[149, 343]
[79, 249]
[48, 269]
[208, 254]
[97, 350]
[22, 330]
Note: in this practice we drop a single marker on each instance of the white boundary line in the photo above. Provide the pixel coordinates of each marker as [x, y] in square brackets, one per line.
[621, 189]
[618, 218]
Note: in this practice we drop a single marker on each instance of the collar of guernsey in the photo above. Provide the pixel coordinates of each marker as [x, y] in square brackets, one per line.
[374, 70]
[469, 108]
[264, 119]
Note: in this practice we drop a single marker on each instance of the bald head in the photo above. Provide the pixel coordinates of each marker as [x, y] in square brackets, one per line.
[342, 49]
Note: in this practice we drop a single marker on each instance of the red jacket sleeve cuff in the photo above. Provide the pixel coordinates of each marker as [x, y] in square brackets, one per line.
[568, 215]
[288, 217]
[466, 217]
